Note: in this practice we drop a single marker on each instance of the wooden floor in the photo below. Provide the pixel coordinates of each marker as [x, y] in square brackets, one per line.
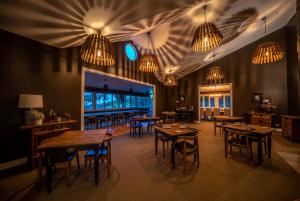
[138, 175]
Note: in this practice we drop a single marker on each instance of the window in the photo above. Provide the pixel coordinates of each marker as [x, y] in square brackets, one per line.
[115, 100]
[133, 101]
[206, 101]
[130, 51]
[108, 101]
[221, 102]
[227, 101]
[212, 102]
[121, 101]
[99, 101]
[127, 101]
[88, 100]
[201, 101]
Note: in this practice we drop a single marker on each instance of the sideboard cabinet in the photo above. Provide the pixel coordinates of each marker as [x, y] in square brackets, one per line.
[263, 119]
[291, 127]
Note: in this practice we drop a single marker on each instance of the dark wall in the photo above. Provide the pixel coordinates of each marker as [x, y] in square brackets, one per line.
[246, 78]
[27, 66]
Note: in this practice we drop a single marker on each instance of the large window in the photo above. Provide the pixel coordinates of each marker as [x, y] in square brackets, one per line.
[96, 101]
[227, 101]
[108, 101]
[201, 101]
[206, 101]
[212, 102]
[88, 101]
[100, 101]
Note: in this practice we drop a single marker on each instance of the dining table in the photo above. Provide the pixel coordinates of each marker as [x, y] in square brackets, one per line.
[226, 119]
[147, 119]
[172, 131]
[259, 132]
[77, 139]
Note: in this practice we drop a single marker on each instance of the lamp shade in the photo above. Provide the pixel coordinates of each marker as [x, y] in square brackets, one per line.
[215, 73]
[148, 63]
[98, 50]
[206, 37]
[267, 52]
[30, 101]
[170, 80]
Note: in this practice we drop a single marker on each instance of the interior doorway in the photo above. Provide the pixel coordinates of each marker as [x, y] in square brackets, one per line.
[214, 100]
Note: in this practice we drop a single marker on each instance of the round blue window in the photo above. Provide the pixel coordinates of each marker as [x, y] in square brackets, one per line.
[131, 52]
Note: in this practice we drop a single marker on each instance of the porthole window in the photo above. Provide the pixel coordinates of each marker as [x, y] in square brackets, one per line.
[130, 51]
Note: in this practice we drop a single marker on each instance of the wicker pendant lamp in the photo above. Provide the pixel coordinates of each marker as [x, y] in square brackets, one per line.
[148, 62]
[170, 79]
[267, 52]
[215, 73]
[98, 50]
[207, 36]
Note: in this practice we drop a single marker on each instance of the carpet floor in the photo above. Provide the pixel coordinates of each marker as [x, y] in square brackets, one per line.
[138, 175]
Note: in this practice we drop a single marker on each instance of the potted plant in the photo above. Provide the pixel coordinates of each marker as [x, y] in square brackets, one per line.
[37, 117]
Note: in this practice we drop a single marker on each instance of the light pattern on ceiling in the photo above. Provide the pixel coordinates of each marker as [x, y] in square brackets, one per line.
[171, 22]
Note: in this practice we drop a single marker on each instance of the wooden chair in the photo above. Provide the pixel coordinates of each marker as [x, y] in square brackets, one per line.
[238, 139]
[108, 120]
[135, 127]
[91, 122]
[61, 157]
[104, 152]
[187, 146]
[121, 118]
[254, 139]
[165, 140]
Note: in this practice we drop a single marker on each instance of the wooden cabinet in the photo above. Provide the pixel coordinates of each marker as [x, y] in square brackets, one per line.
[262, 119]
[47, 130]
[291, 126]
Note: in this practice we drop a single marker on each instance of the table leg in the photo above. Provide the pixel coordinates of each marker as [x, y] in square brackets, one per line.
[96, 166]
[215, 129]
[156, 141]
[48, 170]
[225, 143]
[259, 150]
[173, 152]
[269, 145]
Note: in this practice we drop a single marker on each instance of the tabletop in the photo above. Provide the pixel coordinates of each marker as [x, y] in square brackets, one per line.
[174, 130]
[250, 128]
[76, 139]
[228, 118]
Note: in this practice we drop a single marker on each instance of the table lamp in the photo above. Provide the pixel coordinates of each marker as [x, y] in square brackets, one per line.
[30, 102]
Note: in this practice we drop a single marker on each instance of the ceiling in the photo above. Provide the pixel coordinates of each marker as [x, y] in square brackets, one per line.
[66, 23]
[114, 83]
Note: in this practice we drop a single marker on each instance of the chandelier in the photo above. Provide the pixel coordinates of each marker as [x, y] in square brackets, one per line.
[170, 79]
[148, 62]
[98, 50]
[267, 52]
[215, 73]
[207, 36]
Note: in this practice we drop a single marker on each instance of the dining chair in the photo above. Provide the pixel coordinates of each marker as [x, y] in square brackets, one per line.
[108, 120]
[188, 145]
[255, 140]
[238, 139]
[135, 127]
[60, 157]
[104, 153]
[165, 141]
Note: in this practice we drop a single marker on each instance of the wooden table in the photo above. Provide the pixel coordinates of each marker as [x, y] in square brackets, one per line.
[229, 119]
[172, 133]
[145, 119]
[80, 140]
[257, 131]
[46, 130]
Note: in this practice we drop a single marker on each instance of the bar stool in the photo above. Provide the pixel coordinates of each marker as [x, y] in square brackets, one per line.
[108, 119]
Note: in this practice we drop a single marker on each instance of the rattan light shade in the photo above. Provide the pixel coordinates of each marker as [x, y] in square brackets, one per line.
[148, 63]
[206, 37]
[98, 50]
[215, 73]
[267, 52]
[170, 80]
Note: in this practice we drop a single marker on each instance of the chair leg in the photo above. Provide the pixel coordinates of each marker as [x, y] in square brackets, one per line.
[163, 149]
[68, 170]
[39, 175]
[78, 162]
[84, 170]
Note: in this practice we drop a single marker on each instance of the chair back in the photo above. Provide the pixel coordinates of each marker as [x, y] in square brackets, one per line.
[235, 132]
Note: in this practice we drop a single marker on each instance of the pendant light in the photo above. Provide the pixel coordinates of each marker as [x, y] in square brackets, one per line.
[267, 52]
[98, 50]
[148, 62]
[207, 36]
[215, 73]
[170, 79]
